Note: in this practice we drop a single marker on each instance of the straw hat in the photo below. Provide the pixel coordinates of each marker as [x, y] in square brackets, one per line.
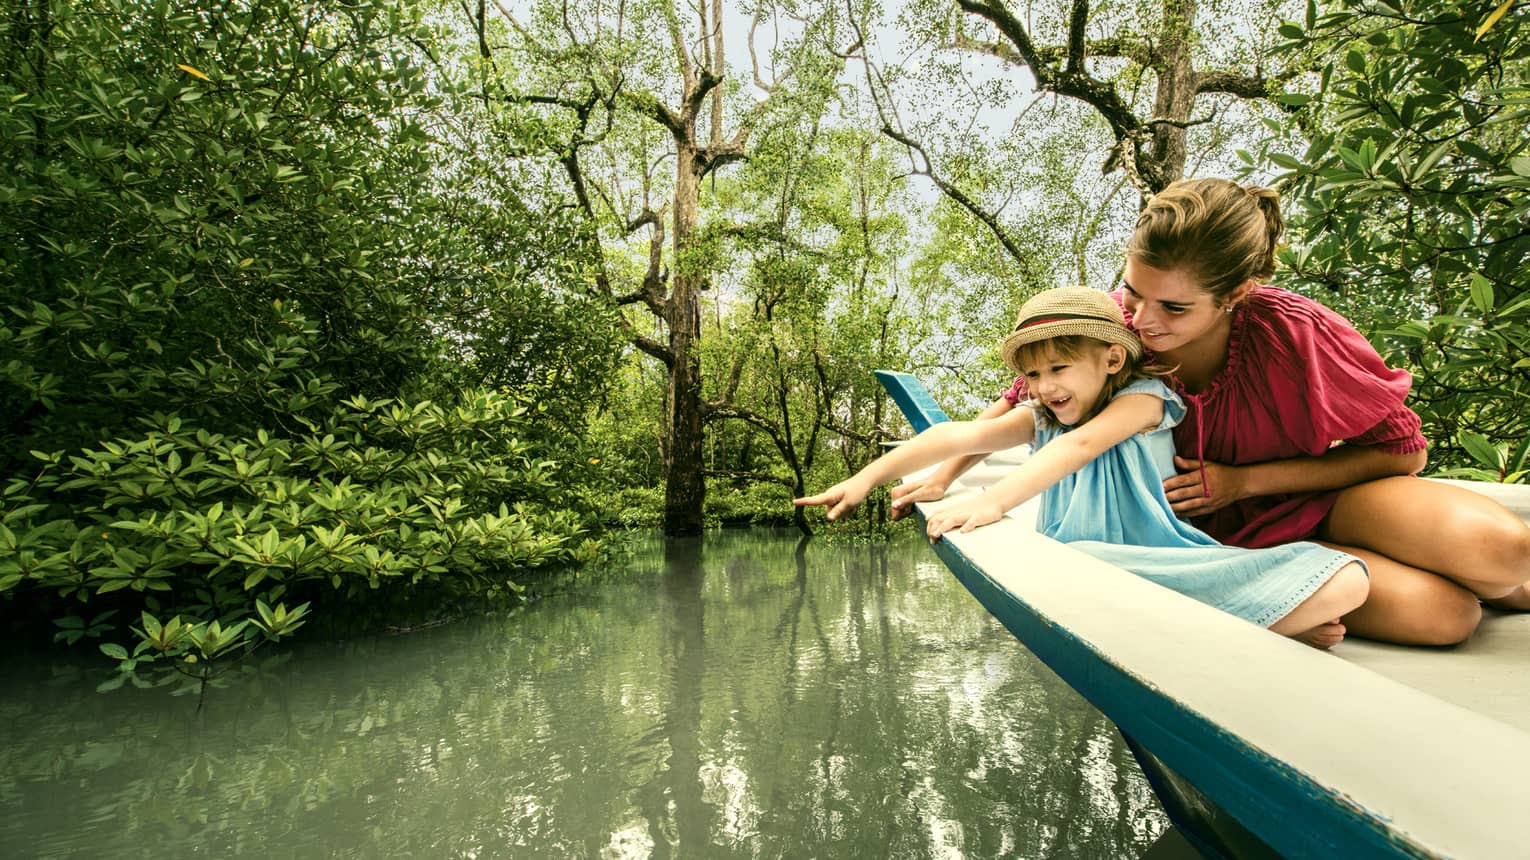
[1065, 311]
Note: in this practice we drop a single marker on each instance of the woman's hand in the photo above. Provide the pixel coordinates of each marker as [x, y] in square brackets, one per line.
[840, 499]
[925, 490]
[963, 517]
[1225, 483]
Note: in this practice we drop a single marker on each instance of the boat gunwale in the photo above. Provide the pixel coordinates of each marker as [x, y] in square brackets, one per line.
[1182, 737]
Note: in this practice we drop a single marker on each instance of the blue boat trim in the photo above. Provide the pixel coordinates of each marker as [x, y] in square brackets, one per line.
[1282, 806]
[912, 398]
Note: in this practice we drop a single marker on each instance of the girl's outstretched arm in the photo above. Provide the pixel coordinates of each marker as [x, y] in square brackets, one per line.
[941, 442]
[1126, 415]
[933, 487]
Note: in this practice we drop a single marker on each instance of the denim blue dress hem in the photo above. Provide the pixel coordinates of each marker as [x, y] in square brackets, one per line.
[1115, 509]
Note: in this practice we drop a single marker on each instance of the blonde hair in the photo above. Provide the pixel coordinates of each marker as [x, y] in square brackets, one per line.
[1073, 347]
[1220, 233]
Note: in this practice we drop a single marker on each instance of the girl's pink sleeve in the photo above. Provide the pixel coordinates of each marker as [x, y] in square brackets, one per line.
[1348, 392]
[1016, 392]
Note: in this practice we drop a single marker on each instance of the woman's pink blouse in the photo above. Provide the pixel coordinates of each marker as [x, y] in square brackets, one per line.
[1298, 380]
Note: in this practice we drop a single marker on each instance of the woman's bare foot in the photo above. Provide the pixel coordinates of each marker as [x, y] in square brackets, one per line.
[1518, 600]
[1323, 636]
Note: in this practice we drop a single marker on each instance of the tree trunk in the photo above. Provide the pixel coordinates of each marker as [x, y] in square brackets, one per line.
[1176, 93]
[684, 481]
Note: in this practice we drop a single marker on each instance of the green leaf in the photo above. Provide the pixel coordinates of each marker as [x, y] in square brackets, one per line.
[114, 651]
[1482, 293]
[1482, 450]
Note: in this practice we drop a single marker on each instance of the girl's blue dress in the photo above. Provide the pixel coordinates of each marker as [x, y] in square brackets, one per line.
[1115, 509]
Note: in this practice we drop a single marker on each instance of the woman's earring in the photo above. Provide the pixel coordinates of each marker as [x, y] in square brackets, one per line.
[1227, 309]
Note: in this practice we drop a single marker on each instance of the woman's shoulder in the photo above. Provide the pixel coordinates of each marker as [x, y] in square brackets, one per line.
[1275, 309]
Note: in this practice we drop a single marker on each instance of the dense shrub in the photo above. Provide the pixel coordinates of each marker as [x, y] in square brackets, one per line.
[255, 314]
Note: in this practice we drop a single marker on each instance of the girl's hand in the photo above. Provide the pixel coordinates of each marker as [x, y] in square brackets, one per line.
[1184, 490]
[905, 495]
[963, 517]
[840, 499]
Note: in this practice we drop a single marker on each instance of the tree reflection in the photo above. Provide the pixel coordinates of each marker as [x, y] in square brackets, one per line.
[762, 697]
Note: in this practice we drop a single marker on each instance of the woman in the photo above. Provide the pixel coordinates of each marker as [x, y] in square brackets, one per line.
[1297, 428]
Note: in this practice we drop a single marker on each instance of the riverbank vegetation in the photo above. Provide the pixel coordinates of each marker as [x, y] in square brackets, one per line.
[321, 309]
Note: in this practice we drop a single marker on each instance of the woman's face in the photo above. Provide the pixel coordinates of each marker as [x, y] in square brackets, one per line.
[1168, 309]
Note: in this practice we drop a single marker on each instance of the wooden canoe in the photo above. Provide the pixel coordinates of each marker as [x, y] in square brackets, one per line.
[1257, 745]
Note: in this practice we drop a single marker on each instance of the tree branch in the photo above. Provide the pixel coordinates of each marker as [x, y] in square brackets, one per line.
[878, 87]
[682, 57]
[1238, 84]
[1076, 22]
[991, 220]
[1073, 82]
[719, 411]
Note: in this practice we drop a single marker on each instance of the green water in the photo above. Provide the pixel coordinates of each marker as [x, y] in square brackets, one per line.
[729, 697]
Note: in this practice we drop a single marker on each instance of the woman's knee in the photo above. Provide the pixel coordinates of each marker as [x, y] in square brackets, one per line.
[1451, 621]
[1413, 607]
[1504, 543]
[1509, 538]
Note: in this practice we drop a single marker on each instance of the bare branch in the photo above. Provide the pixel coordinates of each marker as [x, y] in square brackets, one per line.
[648, 345]
[1074, 82]
[1183, 123]
[648, 105]
[1245, 86]
[717, 410]
[682, 56]
[719, 69]
[878, 88]
[1124, 48]
[754, 61]
[518, 27]
[1076, 22]
[989, 219]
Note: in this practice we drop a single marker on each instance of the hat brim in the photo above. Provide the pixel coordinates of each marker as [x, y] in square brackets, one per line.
[1106, 332]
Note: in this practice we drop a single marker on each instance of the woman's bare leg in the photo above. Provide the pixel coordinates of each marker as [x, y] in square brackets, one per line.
[1433, 548]
[1517, 600]
[1454, 532]
[1410, 606]
[1314, 620]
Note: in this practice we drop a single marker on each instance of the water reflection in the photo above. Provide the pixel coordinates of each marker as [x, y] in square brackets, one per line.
[738, 696]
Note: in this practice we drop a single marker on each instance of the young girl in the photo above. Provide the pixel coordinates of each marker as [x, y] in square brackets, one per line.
[1100, 431]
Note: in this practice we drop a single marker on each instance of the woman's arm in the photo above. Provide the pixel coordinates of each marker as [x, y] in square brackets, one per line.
[1338, 467]
[1126, 415]
[940, 442]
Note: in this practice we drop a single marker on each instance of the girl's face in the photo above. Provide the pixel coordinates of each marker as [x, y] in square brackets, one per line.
[1168, 309]
[1071, 387]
